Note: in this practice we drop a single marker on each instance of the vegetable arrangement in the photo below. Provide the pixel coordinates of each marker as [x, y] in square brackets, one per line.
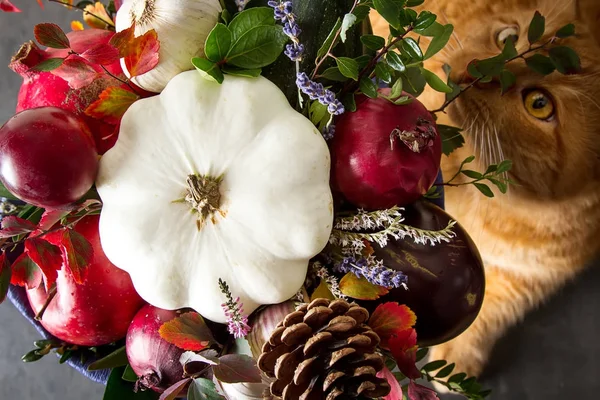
[233, 199]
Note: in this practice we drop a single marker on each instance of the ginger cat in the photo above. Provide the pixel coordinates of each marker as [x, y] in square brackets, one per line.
[547, 228]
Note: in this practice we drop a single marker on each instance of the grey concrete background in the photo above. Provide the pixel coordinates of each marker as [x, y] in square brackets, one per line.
[553, 355]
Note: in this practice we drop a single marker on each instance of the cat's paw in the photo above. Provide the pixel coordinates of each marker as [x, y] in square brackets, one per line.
[467, 357]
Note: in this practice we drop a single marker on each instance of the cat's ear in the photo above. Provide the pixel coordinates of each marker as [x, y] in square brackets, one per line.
[589, 14]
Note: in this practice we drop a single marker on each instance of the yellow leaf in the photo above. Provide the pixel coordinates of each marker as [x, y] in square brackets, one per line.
[95, 16]
[322, 292]
[359, 288]
[76, 26]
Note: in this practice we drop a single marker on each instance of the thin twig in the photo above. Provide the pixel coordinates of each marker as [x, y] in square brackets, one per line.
[108, 23]
[51, 295]
[126, 82]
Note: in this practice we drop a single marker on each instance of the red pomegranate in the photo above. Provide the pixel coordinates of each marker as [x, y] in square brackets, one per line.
[96, 312]
[385, 155]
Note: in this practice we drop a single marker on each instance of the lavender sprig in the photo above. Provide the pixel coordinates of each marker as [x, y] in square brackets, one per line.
[237, 322]
[241, 4]
[295, 51]
[331, 281]
[373, 271]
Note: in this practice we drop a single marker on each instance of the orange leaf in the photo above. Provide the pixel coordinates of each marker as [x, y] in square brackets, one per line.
[140, 53]
[7, 6]
[404, 347]
[26, 273]
[112, 104]
[95, 16]
[391, 318]
[46, 256]
[359, 288]
[76, 26]
[188, 332]
[78, 253]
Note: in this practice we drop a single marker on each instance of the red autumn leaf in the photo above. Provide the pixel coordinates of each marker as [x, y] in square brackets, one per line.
[77, 252]
[112, 104]
[188, 332]
[47, 256]
[103, 54]
[26, 273]
[359, 288]
[51, 35]
[396, 391]
[390, 318]
[403, 346]
[5, 274]
[77, 72]
[418, 392]
[15, 226]
[50, 218]
[237, 368]
[7, 6]
[140, 53]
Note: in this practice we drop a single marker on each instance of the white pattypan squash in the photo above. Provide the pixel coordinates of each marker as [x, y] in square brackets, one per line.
[210, 181]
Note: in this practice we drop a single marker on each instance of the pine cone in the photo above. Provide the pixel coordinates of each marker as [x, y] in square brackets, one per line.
[324, 350]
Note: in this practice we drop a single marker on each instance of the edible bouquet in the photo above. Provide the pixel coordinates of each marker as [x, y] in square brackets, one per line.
[239, 199]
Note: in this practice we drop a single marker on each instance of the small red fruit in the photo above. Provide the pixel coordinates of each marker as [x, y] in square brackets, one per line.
[96, 312]
[385, 155]
[47, 157]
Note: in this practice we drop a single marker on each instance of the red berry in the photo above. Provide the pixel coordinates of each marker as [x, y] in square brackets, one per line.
[385, 155]
[47, 157]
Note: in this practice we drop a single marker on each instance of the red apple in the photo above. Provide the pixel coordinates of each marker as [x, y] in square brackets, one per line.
[96, 312]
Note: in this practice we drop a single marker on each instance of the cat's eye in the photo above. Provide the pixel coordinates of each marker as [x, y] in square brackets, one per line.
[506, 33]
[539, 105]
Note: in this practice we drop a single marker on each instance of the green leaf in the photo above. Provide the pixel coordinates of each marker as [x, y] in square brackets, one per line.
[439, 41]
[317, 112]
[329, 41]
[491, 66]
[483, 188]
[412, 48]
[349, 102]
[502, 186]
[509, 51]
[129, 375]
[373, 42]
[348, 21]
[410, 16]
[334, 74]
[382, 71]
[117, 358]
[456, 378]
[434, 365]
[249, 73]
[218, 43]
[390, 10]
[250, 19]
[117, 388]
[473, 71]
[348, 67]
[565, 59]
[422, 353]
[361, 12]
[65, 356]
[5, 274]
[368, 87]
[203, 389]
[504, 166]
[393, 59]
[51, 35]
[225, 16]
[536, 28]
[5, 193]
[424, 21]
[540, 64]
[444, 372]
[403, 100]
[490, 169]
[472, 174]
[451, 138]
[363, 61]
[507, 80]
[208, 69]
[566, 31]
[435, 82]
[396, 89]
[414, 82]
[258, 47]
[32, 356]
[49, 64]
[414, 3]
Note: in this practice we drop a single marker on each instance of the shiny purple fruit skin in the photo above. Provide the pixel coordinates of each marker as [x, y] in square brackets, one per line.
[47, 157]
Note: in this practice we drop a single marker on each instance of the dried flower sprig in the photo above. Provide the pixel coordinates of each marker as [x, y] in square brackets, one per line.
[373, 271]
[331, 281]
[237, 322]
[392, 221]
[294, 51]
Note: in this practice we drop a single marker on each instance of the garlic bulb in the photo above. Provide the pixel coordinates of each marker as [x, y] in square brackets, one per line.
[182, 27]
